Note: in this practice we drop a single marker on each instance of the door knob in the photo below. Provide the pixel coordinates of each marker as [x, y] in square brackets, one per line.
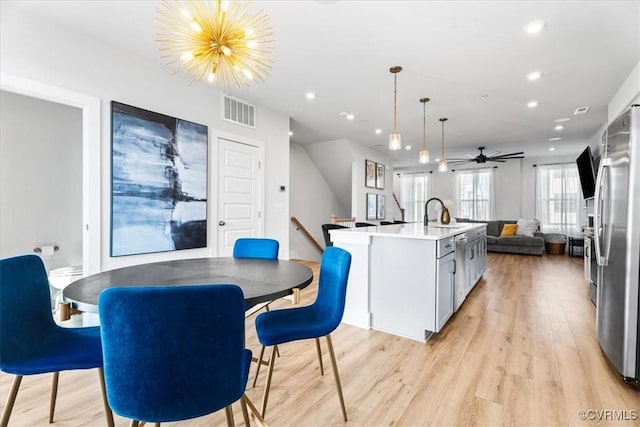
[221, 223]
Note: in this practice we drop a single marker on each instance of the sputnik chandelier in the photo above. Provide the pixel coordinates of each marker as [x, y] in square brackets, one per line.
[218, 42]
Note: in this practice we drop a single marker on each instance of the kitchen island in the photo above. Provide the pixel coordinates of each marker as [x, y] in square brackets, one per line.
[403, 276]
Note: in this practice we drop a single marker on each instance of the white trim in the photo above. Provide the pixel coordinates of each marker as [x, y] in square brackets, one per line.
[90, 106]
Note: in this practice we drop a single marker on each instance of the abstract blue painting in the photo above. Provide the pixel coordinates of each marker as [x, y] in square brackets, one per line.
[158, 182]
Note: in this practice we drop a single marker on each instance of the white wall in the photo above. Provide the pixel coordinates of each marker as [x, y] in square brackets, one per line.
[333, 160]
[342, 163]
[35, 49]
[40, 178]
[359, 192]
[312, 202]
[628, 93]
[507, 186]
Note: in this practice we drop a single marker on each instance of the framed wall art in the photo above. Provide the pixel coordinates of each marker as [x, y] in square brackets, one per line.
[158, 182]
[370, 174]
[372, 206]
[380, 176]
[380, 208]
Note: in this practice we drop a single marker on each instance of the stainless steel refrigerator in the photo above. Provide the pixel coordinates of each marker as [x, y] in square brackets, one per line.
[617, 242]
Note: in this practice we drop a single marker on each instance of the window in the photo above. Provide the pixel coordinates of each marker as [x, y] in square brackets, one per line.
[559, 198]
[414, 194]
[475, 195]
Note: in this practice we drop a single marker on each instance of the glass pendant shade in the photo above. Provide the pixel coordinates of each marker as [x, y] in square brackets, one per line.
[395, 141]
[424, 157]
[442, 166]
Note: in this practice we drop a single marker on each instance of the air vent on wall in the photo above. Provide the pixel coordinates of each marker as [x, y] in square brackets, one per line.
[238, 111]
[581, 110]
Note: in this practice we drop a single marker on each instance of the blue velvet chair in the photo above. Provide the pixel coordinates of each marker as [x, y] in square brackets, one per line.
[253, 247]
[30, 340]
[314, 321]
[174, 352]
[256, 248]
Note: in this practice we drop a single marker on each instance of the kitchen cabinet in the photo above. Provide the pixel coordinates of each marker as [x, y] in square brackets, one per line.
[445, 275]
[476, 256]
[402, 278]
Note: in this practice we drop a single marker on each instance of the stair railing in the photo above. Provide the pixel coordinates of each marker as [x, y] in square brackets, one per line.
[399, 207]
[304, 231]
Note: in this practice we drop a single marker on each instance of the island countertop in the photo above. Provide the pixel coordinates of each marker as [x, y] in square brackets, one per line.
[413, 230]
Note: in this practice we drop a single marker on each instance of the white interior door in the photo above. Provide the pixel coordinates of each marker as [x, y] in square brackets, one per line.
[240, 193]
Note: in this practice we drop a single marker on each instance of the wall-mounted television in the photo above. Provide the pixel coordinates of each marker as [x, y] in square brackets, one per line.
[587, 172]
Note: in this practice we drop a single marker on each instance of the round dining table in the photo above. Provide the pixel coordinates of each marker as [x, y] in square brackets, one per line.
[260, 280]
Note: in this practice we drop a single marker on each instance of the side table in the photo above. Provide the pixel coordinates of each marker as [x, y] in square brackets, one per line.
[576, 242]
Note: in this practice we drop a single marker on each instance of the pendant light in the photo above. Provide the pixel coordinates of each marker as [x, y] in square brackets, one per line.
[423, 158]
[395, 142]
[442, 166]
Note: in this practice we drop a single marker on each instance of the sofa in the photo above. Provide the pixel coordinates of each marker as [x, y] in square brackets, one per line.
[528, 245]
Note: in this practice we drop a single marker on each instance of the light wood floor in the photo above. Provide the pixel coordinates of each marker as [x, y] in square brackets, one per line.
[520, 351]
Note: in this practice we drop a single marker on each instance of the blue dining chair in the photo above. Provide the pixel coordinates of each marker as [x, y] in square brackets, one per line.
[314, 321]
[30, 340]
[256, 247]
[174, 352]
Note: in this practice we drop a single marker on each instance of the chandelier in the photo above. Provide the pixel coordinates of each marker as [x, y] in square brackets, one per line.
[218, 42]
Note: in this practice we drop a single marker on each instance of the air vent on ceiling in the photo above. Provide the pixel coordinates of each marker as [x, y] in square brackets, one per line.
[581, 110]
[238, 111]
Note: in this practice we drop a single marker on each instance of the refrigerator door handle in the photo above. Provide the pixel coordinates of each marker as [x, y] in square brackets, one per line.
[599, 224]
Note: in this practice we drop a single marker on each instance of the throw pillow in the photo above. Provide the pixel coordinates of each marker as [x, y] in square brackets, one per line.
[526, 227]
[509, 230]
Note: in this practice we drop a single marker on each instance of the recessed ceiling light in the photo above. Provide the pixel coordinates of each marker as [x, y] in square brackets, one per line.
[562, 120]
[378, 131]
[350, 116]
[554, 139]
[310, 95]
[534, 75]
[532, 104]
[534, 27]
[290, 133]
[551, 149]
[559, 127]
[581, 110]
[408, 147]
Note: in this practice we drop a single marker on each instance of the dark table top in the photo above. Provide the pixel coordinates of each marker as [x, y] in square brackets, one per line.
[260, 280]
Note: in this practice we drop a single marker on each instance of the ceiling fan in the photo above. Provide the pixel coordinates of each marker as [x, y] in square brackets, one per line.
[496, 156]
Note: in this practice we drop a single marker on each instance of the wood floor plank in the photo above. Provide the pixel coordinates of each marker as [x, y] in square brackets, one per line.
[520, 351]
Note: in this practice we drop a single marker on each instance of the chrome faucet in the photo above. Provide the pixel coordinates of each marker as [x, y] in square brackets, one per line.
[426, 214]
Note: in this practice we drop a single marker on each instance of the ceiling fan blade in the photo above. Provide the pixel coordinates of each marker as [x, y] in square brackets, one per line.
[497, 160]
[508, 157]
[471, 156]
[494, 153]
[459, 159]
[509, 154]
[459, 162]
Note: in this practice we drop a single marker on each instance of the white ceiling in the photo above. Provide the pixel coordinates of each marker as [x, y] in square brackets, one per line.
[453, 52]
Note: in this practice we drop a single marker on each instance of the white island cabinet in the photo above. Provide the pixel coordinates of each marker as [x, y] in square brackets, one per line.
[402, 277]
